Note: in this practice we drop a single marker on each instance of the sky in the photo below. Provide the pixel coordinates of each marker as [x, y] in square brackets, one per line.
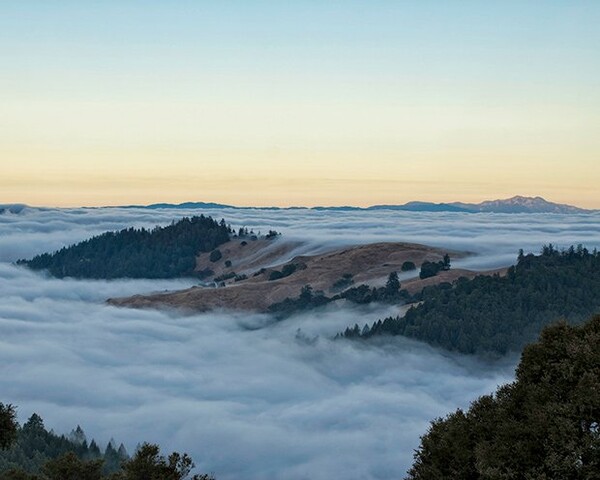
[245, 397]
[298, 103]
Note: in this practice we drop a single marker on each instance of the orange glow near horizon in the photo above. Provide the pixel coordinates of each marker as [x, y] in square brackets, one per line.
[127, 181]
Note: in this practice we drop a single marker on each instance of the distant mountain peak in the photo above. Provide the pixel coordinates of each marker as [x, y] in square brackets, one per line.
[523, 204]
[514, 204]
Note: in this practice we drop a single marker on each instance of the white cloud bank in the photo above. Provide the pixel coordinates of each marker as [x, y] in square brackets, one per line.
[245, 403]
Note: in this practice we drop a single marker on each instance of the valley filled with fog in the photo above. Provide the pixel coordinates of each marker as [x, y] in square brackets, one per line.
[245, 397]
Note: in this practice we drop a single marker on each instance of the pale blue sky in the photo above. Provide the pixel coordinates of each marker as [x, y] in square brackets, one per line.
[263, 91]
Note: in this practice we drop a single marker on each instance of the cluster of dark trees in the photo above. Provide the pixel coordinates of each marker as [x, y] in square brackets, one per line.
[361, 295]
[224, 276]
[286, 271]
[307, 300]
[30, 452]
[272, 234]
[501, 313]
[244, 232]
[391, 293]
[431, 269]
[544, 425]
[163, 252]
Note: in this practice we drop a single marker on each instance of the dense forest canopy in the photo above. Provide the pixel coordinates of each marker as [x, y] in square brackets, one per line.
[545, 425]
[501, 313]
[163, 252]
[31, 452]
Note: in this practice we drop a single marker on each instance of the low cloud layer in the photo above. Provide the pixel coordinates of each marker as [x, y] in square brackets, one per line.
[283, 401]
[496, 237]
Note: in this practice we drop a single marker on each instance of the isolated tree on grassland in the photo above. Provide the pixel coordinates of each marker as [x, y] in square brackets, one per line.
[215, 255]
[408, 266]
[446, 262]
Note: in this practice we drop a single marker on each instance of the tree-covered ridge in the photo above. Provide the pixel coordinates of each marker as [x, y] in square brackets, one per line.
[545, 425]
[31, 452]
[162, 252]
[501, 313]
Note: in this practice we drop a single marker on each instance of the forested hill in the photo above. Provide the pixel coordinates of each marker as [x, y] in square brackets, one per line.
[163, 252]
[500, 314]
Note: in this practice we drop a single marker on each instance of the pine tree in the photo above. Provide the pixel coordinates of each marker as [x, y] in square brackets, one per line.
[393, 285]
[77, 436]
[8, 425]
[446, 262]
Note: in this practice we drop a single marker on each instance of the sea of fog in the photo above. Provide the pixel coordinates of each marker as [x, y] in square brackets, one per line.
[279, 402]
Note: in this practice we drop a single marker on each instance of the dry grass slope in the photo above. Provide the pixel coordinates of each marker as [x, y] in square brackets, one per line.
[370, 264]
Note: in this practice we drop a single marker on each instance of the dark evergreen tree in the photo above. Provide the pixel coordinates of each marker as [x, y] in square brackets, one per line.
[94, 450]
[8, 425]
[446, 262]
[112, 459]
[77, 436]
[392, 287]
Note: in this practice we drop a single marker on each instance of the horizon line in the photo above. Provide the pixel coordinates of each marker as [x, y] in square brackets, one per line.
[216, 204]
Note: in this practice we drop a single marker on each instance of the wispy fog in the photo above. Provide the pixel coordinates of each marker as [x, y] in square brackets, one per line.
[245, 402]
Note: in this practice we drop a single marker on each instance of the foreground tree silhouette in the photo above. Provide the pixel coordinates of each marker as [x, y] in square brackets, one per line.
[8, 425]
[149, 464]
[545, 425]
[71, 467]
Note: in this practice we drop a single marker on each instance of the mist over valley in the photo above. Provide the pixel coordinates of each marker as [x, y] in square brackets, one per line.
[245, 396]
